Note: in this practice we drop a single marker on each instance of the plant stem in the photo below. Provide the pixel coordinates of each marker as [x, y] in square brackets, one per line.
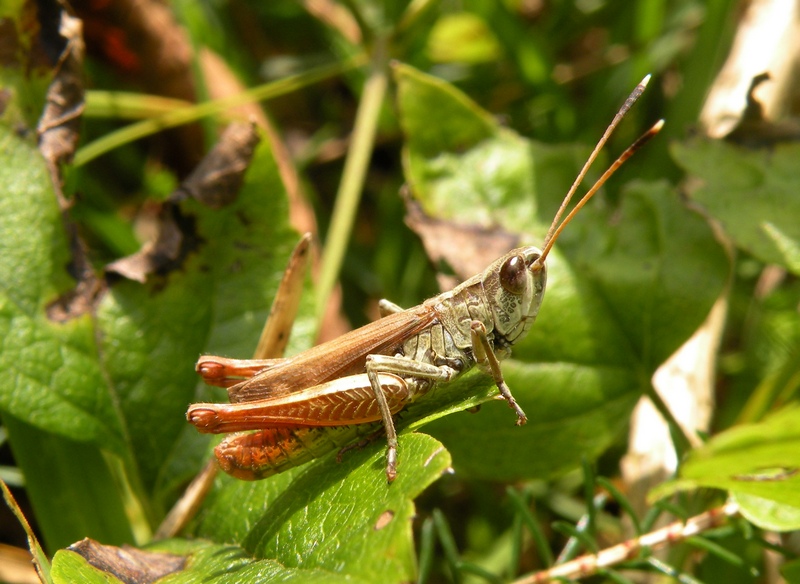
[355, 170]
[671, 534]
[178, 117]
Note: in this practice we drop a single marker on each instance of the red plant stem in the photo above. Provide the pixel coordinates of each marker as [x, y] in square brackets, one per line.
[675, 532]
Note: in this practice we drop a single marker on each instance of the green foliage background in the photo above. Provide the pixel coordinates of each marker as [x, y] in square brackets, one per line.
[486, 110]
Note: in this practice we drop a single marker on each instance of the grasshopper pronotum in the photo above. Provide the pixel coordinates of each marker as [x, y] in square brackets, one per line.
[307, 405]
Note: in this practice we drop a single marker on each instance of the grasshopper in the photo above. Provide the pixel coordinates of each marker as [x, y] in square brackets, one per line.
[307, 405]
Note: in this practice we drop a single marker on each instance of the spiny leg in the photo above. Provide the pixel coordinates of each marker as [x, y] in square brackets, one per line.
[484, 355]
[388, 423]
[404, 368]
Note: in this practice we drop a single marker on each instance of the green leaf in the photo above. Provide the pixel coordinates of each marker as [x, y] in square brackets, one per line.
[207, 562]
[760, 460]
[753, 193]
[25, 74]
[39, 559]
[462, 166]
[63, 421]
[53, 380]
[791, 571]
[84, 480]
[55, 403]
[460, 123]
[626, 287]
[329, 517]
[767, 514]
[210, 563]
[152, 335]
[462, 37]
[119, 377]
[70, 567]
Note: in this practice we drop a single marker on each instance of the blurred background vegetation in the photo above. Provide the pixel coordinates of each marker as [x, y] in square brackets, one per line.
[317, 71]
[552, 71]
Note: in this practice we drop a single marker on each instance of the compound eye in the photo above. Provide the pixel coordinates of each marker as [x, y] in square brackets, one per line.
[513, 278]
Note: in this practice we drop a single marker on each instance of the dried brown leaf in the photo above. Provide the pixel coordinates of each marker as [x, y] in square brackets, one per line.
[465, 249]
[215, 183]
[60, 122]
[754, 130]
[130, 565]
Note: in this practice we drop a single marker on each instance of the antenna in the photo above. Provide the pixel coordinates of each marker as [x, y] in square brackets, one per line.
[555, 226]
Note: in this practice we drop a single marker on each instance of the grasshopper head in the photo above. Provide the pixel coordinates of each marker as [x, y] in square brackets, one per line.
[514, 285]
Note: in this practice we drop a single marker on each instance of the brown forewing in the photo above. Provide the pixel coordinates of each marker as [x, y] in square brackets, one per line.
[337, 358]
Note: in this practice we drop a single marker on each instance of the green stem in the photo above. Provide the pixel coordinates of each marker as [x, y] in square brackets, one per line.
[187, 115]
[682, 442]
[134, 501]
[355, 171]
[40, 561]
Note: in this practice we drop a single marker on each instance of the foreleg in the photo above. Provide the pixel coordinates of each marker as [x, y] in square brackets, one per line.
[485, 356]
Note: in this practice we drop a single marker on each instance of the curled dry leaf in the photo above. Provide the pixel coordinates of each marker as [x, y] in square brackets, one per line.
[754, 129]
[465, 249]
[765, 41]
[58, 131]
[215, 183]
[60, 121]
[126, 563]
